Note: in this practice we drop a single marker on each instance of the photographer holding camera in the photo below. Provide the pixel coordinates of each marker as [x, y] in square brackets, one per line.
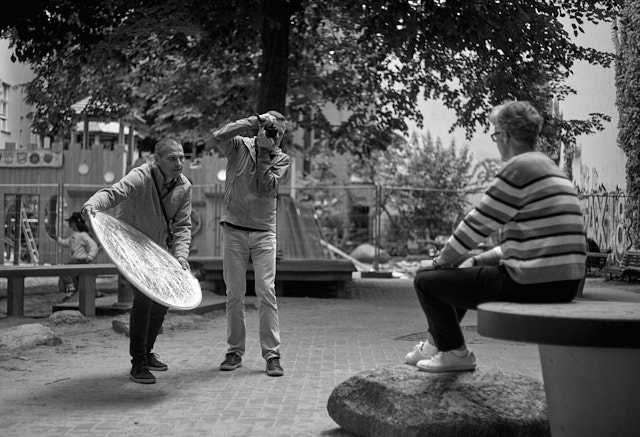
[255, 167]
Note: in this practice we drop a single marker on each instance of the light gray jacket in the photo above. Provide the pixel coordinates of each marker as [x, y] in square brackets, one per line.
[253, 179]
[139, 206]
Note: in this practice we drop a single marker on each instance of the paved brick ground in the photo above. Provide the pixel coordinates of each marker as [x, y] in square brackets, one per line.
[84, 389]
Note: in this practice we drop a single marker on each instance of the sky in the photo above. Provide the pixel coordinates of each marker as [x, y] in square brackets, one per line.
[438, 121]
[594, 87]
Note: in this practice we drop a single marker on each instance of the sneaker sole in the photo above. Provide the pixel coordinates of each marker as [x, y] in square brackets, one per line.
[227, 368]
[411, 362]
[158, 369]
[142, 381]
[275, 372]
[465, 368]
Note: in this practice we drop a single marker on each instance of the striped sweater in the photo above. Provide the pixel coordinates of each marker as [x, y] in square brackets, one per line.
[537, 210]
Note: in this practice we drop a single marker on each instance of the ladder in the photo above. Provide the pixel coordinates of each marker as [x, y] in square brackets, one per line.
[28, 236]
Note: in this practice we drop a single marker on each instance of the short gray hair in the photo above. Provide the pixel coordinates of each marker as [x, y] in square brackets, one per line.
[278, 117]
[520, 119]
[164, 144]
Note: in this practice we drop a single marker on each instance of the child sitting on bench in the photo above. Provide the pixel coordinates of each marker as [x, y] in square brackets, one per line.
[83, 250]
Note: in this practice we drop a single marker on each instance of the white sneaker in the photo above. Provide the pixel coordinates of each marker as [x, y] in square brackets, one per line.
[422, 351]
[448, 362]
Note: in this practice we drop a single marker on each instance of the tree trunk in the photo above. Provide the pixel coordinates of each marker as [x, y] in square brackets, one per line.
[275, 54]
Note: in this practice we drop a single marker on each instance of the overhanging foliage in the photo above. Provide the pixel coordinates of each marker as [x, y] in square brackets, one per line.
[628, 102]
[187, 66]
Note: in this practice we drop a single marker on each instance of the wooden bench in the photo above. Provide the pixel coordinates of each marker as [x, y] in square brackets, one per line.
[630, 266]
[597, 260]
[628, 269]
[86, 288]
[289, 270]
[590, 356]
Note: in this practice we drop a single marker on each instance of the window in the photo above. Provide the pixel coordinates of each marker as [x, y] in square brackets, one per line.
[34, 140]
[4, 106]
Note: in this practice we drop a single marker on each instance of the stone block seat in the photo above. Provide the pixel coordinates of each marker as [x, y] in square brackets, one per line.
[590, 357]
[402, 401]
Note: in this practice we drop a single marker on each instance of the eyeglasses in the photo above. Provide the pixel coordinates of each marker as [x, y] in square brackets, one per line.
[494, 136]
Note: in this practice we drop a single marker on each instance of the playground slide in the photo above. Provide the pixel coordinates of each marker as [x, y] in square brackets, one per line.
[362, 267]
[299, 236]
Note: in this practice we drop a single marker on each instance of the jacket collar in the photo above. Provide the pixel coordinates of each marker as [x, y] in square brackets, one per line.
[164, 182]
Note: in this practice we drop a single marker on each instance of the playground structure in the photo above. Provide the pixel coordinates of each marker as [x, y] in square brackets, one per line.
[39, 189]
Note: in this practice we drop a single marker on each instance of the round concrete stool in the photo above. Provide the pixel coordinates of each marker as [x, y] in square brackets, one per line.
[590, 357]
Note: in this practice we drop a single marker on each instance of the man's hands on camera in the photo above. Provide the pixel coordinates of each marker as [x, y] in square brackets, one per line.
[265, 119]
[264, 142]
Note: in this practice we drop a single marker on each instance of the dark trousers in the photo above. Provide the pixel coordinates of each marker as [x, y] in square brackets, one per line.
[145, 323]
[446, 294]
[71, 282]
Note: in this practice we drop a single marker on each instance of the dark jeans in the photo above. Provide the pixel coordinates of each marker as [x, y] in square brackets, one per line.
[446, 294]
[145, 323]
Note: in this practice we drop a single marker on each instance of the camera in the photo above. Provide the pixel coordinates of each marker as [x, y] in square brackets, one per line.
[271, 131]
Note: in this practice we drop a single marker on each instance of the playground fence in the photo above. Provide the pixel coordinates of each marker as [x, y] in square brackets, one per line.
[401, 220]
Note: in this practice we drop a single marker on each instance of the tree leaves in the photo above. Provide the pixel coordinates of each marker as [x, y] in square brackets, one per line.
[190, 65]
[628, 102]
[425, 183]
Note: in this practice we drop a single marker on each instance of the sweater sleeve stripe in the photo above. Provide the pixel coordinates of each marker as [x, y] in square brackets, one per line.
[553, 231]
[548, 260]
[542, 224]
[531, 190]
[482, 221]
[542, 247]
[511, 182]
[551, 216]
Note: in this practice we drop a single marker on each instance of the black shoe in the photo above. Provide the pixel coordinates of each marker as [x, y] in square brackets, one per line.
[139, 373]
[232, 361]
[153, 363]
[69, 294]
[273, 367]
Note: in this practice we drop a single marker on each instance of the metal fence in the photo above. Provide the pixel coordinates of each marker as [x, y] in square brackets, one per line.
[400, 220]
[403, 221]
[353, 214]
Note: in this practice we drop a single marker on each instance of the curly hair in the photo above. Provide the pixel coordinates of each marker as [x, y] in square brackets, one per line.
[520, 119]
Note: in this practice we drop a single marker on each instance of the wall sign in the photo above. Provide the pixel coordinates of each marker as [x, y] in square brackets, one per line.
[30, 158]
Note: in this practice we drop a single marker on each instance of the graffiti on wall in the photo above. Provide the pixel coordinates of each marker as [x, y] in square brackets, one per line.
[606, 221]
[604, 213]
